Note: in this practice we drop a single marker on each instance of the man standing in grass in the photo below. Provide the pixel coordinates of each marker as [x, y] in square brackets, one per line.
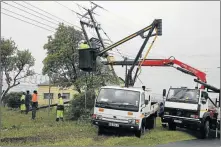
[27, 101]
[60, 108]
[22, 100]
[34, 104]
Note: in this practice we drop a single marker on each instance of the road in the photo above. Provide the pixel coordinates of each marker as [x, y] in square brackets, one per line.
[194, 143]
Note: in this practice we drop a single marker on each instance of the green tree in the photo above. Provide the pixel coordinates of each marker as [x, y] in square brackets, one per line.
[62, 56]
[15, 61]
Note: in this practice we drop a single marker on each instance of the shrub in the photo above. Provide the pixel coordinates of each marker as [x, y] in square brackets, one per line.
[77, 106]
[12, 99]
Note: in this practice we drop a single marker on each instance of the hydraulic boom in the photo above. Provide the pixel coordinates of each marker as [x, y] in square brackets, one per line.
[166, 63]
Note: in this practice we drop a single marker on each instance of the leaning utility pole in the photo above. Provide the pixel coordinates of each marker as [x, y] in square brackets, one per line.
[95, 26]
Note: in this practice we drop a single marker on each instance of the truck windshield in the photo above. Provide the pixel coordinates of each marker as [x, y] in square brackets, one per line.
[183, 95]
[119, 97]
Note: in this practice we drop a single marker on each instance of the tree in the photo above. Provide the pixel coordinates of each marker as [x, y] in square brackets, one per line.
[61, 63]
[62, 56]
[15, 61]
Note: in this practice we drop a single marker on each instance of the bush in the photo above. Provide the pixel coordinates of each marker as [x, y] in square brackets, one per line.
[77, 106]
[13, 99]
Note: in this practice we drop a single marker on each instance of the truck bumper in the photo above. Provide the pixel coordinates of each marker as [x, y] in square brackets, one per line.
[121, 125]
[181, 121]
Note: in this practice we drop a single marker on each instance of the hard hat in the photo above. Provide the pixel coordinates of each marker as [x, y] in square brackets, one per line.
[82, 41]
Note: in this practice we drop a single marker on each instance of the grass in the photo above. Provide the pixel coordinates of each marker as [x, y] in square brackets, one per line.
[19, 130]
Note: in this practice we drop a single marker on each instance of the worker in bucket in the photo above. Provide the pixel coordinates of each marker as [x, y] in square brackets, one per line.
[22, 100]
[34, 104]
[84, 45]
[60, 108]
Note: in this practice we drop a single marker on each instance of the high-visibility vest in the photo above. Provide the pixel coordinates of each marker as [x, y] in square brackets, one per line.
[60, 104]
[84, 46]
[60, 101]
[34, 97]
[22, 99]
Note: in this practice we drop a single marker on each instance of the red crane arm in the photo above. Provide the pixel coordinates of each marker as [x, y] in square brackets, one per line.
[183, 67]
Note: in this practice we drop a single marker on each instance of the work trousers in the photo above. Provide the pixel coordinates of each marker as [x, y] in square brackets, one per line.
[60, 115]
[22, 107]
[27, 108]
[34, 109]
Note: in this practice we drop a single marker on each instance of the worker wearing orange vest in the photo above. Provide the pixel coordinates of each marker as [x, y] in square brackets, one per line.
[34, 104]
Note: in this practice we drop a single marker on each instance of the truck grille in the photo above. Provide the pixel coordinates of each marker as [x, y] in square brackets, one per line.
[180, 112]
[115, 119]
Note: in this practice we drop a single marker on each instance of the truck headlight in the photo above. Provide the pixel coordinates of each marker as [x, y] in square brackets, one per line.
[131, 121]
[166, 113]
[194, 116]
[99, 117]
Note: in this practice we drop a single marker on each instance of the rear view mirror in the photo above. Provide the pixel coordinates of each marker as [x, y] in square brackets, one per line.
[203, 101]
[164, 92]
[206, 95]
[146, 102]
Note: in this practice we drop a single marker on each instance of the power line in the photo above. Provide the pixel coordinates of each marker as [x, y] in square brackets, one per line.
[29, 13]
[69, 9]
[34, 11]
[28, 18]
[51, 14]
[27, 22]
[112, 42]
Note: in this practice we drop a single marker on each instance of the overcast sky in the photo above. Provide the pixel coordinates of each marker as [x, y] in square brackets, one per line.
[191, 33]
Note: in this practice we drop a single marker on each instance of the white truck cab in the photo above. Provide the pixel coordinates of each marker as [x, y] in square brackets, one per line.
[189, 108]
[124, 108]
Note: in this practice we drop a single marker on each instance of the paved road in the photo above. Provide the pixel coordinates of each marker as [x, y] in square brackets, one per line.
[194, 143]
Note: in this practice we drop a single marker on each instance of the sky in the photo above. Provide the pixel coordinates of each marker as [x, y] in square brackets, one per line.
[191, 33]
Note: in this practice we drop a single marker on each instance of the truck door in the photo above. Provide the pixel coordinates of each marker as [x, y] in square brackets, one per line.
[204, 103]
[143, 106]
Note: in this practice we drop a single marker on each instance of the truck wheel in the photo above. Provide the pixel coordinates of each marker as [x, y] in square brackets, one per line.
[205, 130]
[151, 122]
[154, 122]
[172, 126]
[164, 125]
[100, 130]
[140, 132]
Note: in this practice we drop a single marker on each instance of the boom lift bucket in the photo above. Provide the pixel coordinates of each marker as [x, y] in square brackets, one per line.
[87, 59]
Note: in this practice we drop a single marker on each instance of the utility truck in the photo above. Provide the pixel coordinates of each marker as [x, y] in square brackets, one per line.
[124, 108]
[189, 108]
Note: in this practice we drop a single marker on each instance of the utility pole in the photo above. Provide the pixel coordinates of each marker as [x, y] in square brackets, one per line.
[96, 27]
[1, 81]
[49, 97]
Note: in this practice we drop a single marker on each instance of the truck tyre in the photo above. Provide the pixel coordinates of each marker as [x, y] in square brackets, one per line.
[100, 130]
[205, 130]
[151, 122]
[140, 132]
[172, 126]
[164, 125]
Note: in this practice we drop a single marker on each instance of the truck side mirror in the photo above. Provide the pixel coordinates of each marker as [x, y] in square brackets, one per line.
[164, 92]
[146, 102]
[203, 101]
[206, 95]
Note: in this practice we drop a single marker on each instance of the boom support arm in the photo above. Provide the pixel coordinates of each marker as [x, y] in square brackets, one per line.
[91, 54]
[156, 23]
